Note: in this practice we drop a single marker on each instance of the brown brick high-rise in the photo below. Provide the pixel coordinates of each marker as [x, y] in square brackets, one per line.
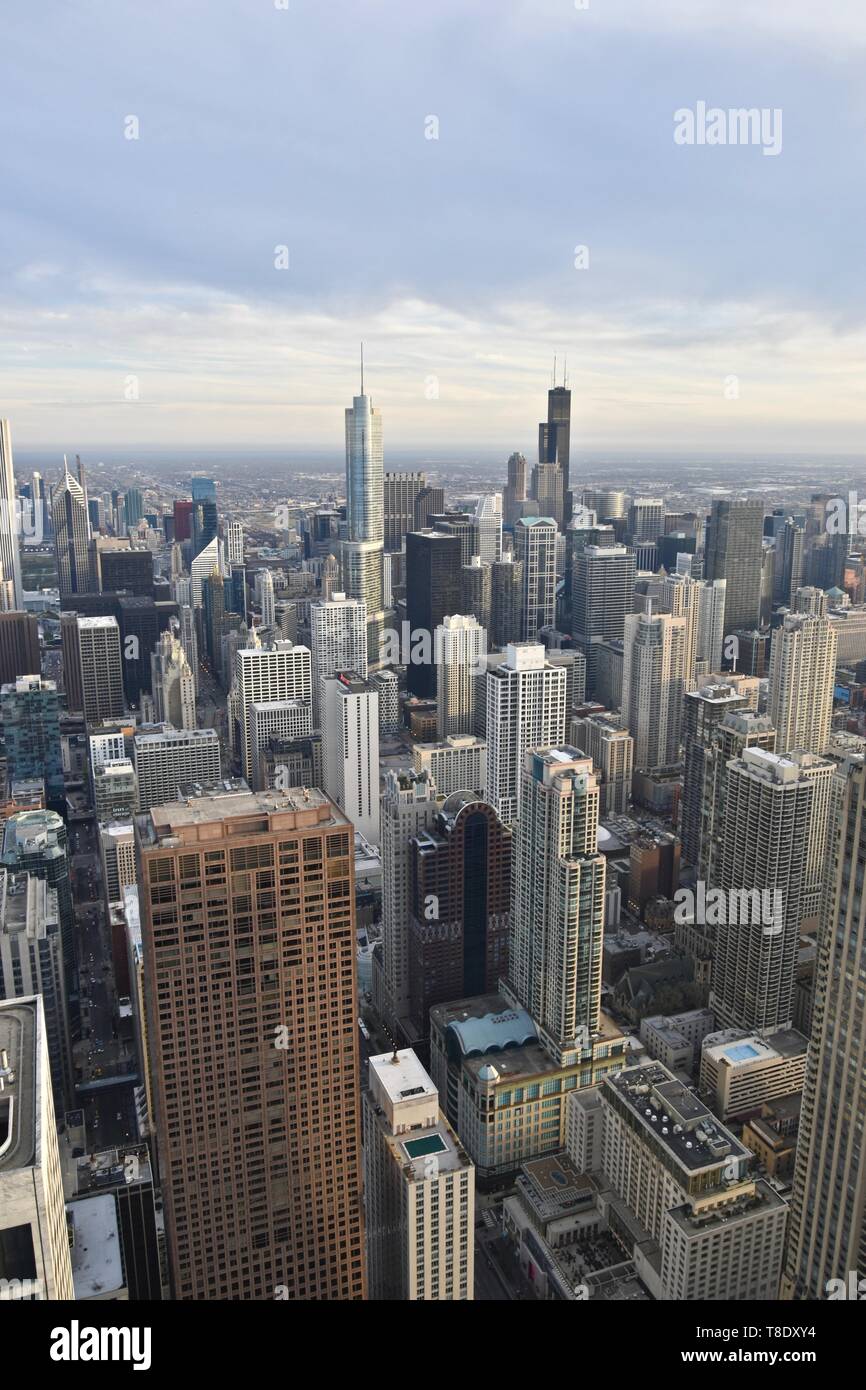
[248, 922]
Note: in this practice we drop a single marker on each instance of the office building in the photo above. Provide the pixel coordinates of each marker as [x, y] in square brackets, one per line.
[10, 526]
[33, 1234]
[459, 646]
[235, 543]
[535, 550]
[475, 590]
[487, 523]
[460, 905]
[115, 790]
[514, 494]
[172, 683]
[433, 563]
[709, 648]
[506, 602]
[283, 721]
[730, 738]
[525, 700]
[19, 646]
[101, 666]
[554, 444]
[387, 686]
[117, 853]
[653, 686]
[734, 551]
[686, 1180]
[166, 759]
[256, 1064]
[801, 680]
[603, 588]
[71, 539]
[118, 566]
[400, 495]
[350, 747]
[31, 962]
[35, 842]
[30, 716]
[266, 598]
[409, 805]
[279, 671]
[203, 516]
[646, 520]
[828, 1209]
[743, 1071]
[419, 1188]
[338, 642]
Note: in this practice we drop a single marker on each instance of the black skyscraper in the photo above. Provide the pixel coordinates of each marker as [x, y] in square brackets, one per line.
[433, 562]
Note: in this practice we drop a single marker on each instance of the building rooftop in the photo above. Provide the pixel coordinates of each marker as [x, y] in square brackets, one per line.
[97, 1266]
[673, 1118]
[694, 1220]
[402, 1076]
[738, 1047]
[20, 1022]
[174, 819]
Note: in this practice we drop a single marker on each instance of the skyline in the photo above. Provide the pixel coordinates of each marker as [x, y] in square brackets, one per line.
[150, 312]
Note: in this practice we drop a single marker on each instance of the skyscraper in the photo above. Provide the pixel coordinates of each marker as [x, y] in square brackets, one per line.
[235, 536]
[203, 514]
[460, 906]
[350, 737]
[30, 715]
[10, 522]
[409, 806]
[433, 561]
[535, 550]
[515, 489]
[338, 642]
[557, 915]
[256, 1063]
[603, 591]
[400, 492]
[602, 738]
[459, 649]
[100, 660]
[762, 863]
[653, 686]
[72, 538]
[280, 671]
[266, 585]
[419, 1188]
[828, 1210]
[734, 551]
[19, 646]
[165, 759]
[711, 627]
[172, 683]
[362, 554]
[703, 710]
[33, 1233]
[525, 699]
[802, 674]
[488, 528]
[506, 601]
[554, 442]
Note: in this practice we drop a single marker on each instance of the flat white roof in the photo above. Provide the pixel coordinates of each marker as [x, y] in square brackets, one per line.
[404, 1078]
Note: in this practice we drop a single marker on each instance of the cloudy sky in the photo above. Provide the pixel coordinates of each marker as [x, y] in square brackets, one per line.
[144, 302]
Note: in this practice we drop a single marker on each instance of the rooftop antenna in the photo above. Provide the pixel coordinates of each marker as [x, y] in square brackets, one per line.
[362, 369]
[554, 369]
[565, 372]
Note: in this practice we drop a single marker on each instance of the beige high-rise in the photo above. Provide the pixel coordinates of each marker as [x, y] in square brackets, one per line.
[248, 925]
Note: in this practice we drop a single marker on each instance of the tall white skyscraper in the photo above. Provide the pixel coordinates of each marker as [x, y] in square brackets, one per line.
[188, 638]
[172, 683]
[535, 547]
[711, 626]
[72, 538]
[459, 648]
[235, 538]
[266, 590]
[653, 686]
[203, 566]
[10, 522]
[525, 699]
[338, 639]
[350, 736]
[801, 677]
[419, 1188]
[557, 912]
[680, 595]
[166, 758]
[281, 671]
[362, 552]
[488, 528]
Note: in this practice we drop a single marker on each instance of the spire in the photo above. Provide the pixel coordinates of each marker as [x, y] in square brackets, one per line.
[362, 369]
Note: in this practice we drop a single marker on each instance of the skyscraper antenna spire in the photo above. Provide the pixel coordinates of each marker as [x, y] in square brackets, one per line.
[362, 369]
[554, 369]
[565, 371]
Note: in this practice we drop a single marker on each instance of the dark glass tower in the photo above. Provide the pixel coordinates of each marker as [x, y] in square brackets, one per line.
[433, 562]
[554, 440]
